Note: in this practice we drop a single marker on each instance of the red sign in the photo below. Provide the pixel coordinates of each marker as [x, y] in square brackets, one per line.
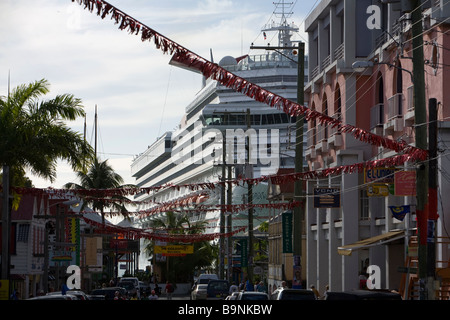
[405, 183]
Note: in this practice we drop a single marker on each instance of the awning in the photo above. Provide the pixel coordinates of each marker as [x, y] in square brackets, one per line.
[370, 242]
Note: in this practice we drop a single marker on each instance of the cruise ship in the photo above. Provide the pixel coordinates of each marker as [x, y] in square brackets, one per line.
[225, 135]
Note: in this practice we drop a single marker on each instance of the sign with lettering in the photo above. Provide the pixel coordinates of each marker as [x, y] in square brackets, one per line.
[327, 197]
[379, 175]
[405, 183]
[286, 223]
[174, 249]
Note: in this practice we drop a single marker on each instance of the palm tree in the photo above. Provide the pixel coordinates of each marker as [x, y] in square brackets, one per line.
[204, 252]
[101, 176]
[34, 135]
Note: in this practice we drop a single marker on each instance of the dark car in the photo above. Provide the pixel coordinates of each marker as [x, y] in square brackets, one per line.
[55, 297]
[252, 295]
[217, 289]
[292, 294]
[109, 292]
[363, 295]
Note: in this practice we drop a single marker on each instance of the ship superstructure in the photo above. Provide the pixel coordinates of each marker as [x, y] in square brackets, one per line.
[221, 121]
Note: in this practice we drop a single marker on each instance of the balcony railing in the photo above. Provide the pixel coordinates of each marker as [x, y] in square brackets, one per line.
[395, 106]
[311, 137]
[376, 116]
[339, 52]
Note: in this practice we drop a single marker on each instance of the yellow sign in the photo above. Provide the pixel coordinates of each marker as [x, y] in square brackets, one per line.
[175, 249]
[377, 190]
[4, 289]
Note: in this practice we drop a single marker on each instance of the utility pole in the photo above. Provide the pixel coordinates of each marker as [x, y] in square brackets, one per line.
[421, 141]
[5, 224]
[230, 227]
[299, 211]
[249, 171]
[222, 213]
[432, 197]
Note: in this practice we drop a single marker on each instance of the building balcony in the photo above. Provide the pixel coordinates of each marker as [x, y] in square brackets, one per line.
[395, 122]
[335, 137]
[410, 114]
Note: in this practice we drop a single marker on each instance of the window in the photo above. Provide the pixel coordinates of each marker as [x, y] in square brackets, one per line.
[364, 205]
[22, 235]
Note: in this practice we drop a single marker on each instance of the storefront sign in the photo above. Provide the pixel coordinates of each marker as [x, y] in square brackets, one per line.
[327, 197]
[379, 175]
[286, 223]
[405, 183]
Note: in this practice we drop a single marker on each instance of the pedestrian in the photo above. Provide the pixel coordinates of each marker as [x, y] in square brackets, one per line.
[316, 293]
[249, 286]
[233, 288]
[261, 287]
[169, 290]
[157, 289]
[327, 289]
[153, 296]
[64, 288]
[117, 295]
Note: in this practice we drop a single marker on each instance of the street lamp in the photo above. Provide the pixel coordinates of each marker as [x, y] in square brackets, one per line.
[360, 66]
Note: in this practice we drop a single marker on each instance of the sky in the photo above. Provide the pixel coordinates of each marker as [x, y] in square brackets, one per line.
[138, 95]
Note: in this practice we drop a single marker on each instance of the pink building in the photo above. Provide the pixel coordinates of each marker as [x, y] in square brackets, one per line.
[378, 99]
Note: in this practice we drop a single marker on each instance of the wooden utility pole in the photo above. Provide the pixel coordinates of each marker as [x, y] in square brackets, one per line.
[249, 169]
[5, 224]
[299, 211]
[421, 140]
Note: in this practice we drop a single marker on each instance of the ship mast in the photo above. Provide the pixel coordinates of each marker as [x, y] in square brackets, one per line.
[283, 11]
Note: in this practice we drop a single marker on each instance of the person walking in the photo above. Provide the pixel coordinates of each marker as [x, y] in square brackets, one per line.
[169, 290]
[153, 296]
[316, 293]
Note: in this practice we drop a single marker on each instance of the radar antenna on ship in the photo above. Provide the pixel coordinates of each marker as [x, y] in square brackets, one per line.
[283, 11]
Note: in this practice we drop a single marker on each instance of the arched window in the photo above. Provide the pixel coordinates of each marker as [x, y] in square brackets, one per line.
[324, 128]
[398, 90]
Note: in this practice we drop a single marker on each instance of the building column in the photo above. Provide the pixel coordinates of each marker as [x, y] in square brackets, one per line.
[311, 237]
[350, 221]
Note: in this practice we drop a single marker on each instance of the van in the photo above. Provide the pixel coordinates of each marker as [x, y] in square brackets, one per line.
[130, 279]
[206, 277]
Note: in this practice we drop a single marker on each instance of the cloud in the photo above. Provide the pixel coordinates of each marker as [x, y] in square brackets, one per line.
[139, 96]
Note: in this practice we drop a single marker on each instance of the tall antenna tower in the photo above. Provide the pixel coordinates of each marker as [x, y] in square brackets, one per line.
[283, 11]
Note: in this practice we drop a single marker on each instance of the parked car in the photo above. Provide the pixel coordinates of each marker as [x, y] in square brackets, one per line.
[232, 296]
[129, 287]
[206, 277]
[252, 295]
[78, 293]
[199, 292]
[109, 292]
[134, 280]
[292, 294]
[55, 297]
[363, 295]
[217, 289]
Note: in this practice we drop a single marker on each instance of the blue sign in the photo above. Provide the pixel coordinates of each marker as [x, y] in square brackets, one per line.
[327, 197]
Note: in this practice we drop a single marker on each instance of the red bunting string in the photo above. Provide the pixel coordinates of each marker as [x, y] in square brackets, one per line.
[108, 194]
[228, 79]
[134, 233]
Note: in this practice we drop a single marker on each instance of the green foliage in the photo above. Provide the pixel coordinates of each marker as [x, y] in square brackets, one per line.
[34, 135]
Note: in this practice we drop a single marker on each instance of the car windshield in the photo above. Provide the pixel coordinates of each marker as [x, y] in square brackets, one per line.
[289, 295]
[218, 286]
[250, 296]
[126, 285]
